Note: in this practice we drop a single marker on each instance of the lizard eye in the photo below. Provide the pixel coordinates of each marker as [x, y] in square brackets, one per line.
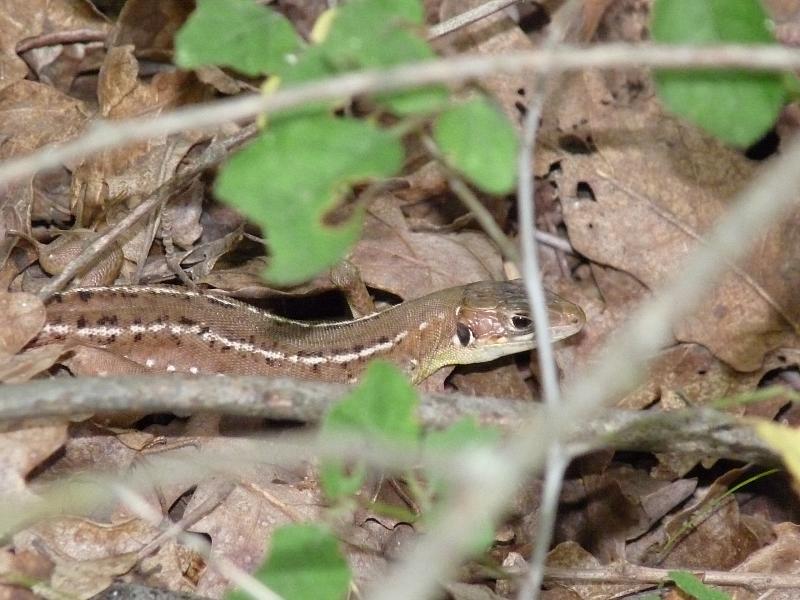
[464, 334]
[521, 322]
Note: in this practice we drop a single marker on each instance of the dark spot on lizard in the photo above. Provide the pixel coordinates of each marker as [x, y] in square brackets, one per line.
[358, 348]
[137, 337]
[81, 322]
[315, 368]
[136, 321]
[187, 321]
[85, 295]
[107, 320]
[383, 340]
[55, 298]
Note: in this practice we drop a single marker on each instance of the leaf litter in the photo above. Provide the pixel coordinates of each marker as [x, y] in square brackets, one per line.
[631, 188]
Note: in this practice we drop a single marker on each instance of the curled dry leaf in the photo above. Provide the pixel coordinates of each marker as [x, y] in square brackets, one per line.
[21, 19]
[25, 366]
[23, 449]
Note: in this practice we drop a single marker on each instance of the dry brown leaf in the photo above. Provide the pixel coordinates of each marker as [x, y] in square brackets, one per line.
[640, 188]
[572, 555]
[31, 115]
[241, 525]
[781, 556]
[22, 316]
[617, 505]
[500, 378]
[412, 264]
[20, 19]
[691, 372]
[139, 168]
[24, 447]
[708, 534]
[494, 34]
[25, 366]
[150, 26]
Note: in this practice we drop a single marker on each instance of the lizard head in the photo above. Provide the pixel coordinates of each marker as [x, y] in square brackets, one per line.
[493, 319]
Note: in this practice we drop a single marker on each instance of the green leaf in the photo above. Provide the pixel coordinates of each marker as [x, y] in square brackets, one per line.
[383, 405]
[293, 175]
[239, 34]
[337, 482]
[692, 585]
[305, 563]
[736, 106]
[374, 34]
[478, 140]
[464, 433]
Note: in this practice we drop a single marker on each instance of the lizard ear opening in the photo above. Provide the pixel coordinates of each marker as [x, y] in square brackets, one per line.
[464, 334]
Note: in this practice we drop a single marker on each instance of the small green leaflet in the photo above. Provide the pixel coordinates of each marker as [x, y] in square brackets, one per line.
[383, 406]
[239, 34]
[736, 106]
[479, 141]
[293, 175]
[373, 34]
[304, 563]
[699, 590]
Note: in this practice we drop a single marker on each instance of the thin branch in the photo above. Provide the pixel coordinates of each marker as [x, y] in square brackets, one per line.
[230, 571]
[435, 557]
[102, 134]
[558, 459]
[703, 432]
[554, 241]
[466, 18]
[473, 204]
[636, 574]
[74, 36]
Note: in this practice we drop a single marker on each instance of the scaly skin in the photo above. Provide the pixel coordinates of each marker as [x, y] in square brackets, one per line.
[170, 329]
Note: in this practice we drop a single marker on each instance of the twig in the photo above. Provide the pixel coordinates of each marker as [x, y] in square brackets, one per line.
[53, 38]
[636, 574]
[466, 18]
[242, 579]
[435, 557]
[554, 241]
[558, 458]
[455, 69]
[697, 432]
[473, 204]
[212, 155]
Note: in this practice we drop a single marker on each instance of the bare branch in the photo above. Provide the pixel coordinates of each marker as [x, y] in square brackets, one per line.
[104, 135]
[466, 18]
[698, 432]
